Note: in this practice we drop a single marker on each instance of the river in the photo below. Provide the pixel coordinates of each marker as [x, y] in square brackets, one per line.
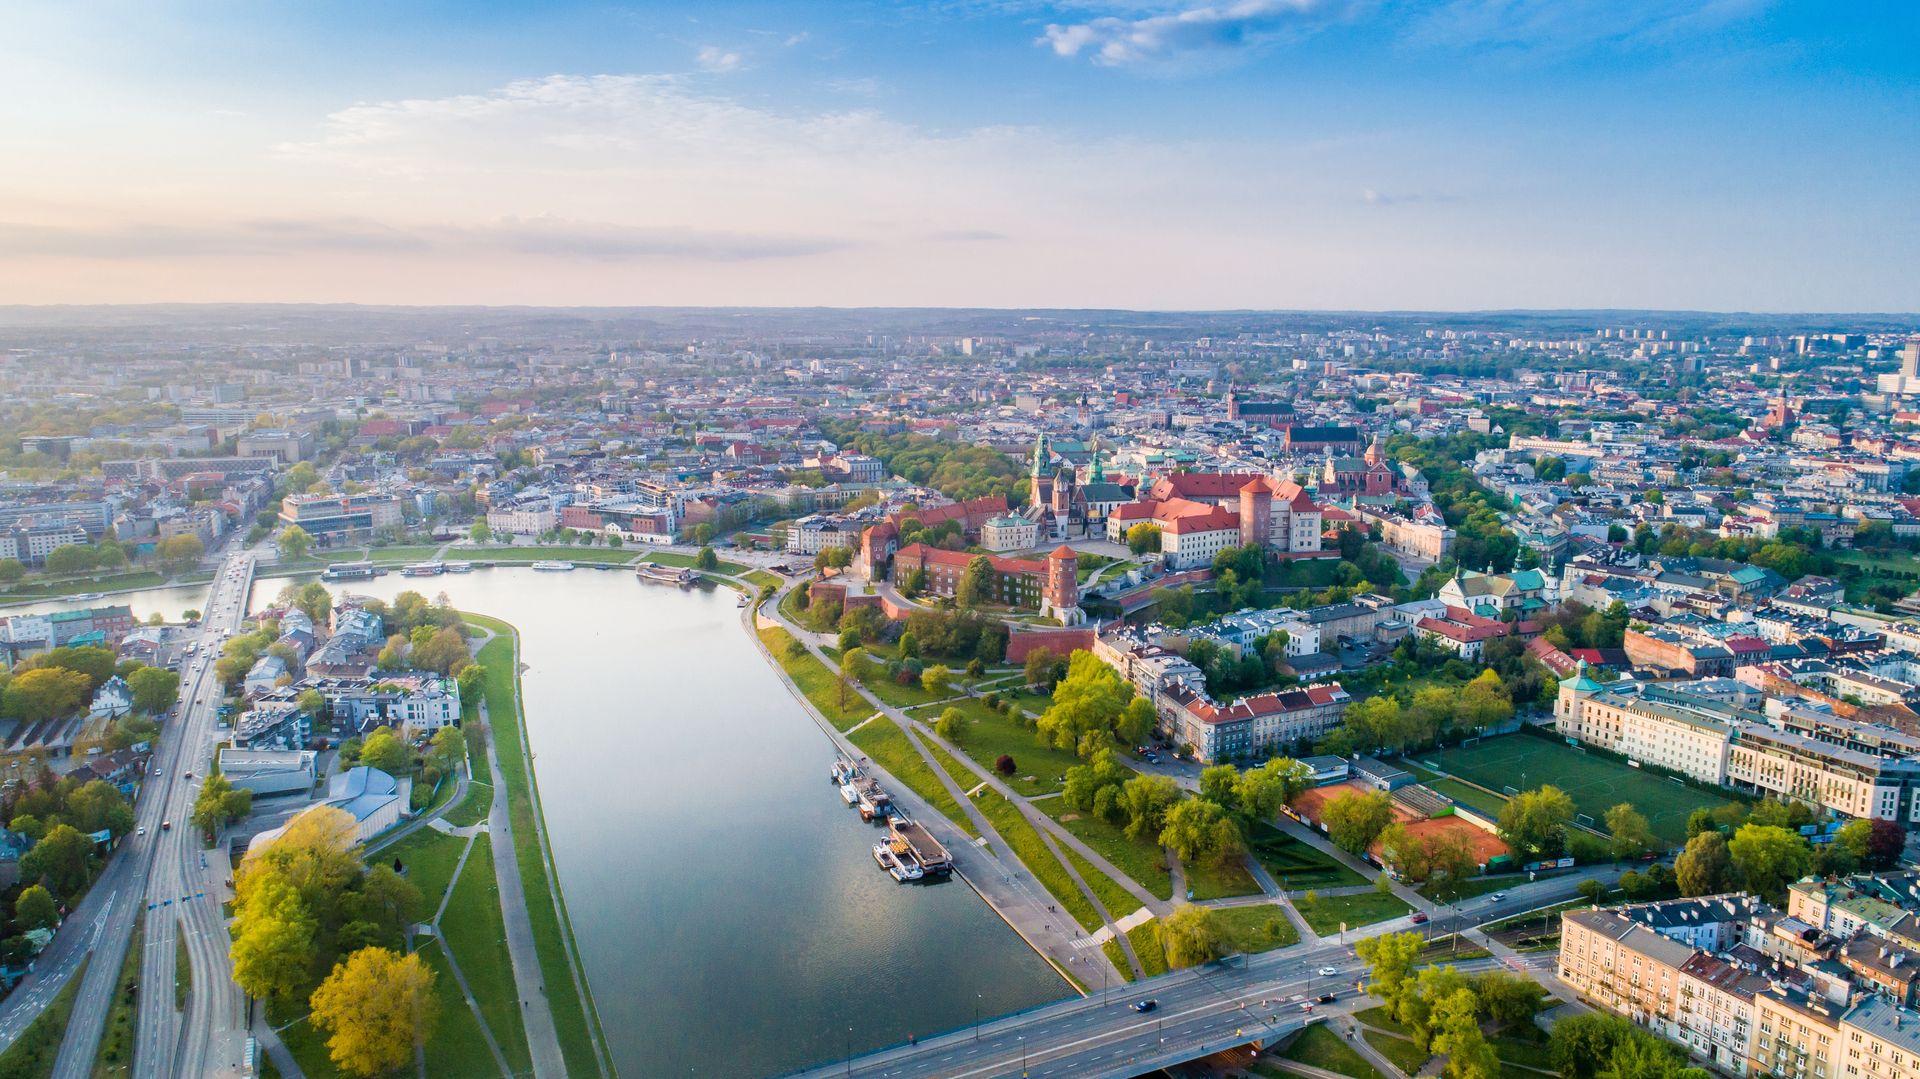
[727, 906]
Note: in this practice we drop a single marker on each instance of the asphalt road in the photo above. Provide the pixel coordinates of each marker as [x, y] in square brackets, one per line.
[1198, 1011]
[184, 887]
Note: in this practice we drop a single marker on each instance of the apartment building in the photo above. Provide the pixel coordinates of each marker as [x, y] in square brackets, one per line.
[327, 516]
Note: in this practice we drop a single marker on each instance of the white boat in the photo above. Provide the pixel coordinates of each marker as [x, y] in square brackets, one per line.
[459, 567]
[844, 770]
[904, 869]
[648, 571]
[85, 596]
[847, 792]
[424, 569]
[553, 567]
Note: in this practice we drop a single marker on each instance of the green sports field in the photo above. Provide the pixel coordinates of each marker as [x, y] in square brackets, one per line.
[1595, 783]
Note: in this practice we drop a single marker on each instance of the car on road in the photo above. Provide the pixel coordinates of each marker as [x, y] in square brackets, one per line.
[1496, 897]
[1328, 972]
[1328, 998]
[189, 775]
[1144, 1005]
[1419, 917]
[142, 830]
[166, 826]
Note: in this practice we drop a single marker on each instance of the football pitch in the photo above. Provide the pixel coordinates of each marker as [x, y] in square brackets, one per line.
[1596, 784]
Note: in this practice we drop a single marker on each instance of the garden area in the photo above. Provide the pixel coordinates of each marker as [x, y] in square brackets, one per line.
[1142, 859]
[1294, 864]
[1325, 914]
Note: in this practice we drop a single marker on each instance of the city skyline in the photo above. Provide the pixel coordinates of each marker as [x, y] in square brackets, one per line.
[1252, 154]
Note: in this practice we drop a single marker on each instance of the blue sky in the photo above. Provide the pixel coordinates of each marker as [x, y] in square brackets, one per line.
[1727, 154]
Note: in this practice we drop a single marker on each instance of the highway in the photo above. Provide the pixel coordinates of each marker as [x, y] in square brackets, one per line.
[1198, 1011]
[185, 886]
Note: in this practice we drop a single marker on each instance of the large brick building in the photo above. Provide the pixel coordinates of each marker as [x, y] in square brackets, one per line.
[1051, 585]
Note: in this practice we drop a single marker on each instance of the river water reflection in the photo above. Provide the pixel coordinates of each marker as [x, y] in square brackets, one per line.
[728, 909]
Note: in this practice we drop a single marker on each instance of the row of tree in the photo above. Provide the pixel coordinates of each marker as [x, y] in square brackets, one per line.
[1444, 1011]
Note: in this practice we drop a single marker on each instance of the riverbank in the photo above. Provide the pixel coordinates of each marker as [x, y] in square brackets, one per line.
[576, 1021]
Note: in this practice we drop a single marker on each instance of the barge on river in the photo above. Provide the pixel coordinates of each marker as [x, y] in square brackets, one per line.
[674, 575]
[909, 840]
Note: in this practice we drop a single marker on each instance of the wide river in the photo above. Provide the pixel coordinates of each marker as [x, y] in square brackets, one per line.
[727, 906]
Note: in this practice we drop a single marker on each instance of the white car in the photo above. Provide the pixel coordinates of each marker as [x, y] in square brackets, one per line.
[1496, 897]
[1328, 972]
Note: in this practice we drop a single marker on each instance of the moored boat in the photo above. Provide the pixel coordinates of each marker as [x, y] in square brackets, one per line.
[675, 575]
[553, 566]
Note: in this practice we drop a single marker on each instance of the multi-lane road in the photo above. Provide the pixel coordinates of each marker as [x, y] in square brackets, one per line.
[160, 871]
[1196, 1011]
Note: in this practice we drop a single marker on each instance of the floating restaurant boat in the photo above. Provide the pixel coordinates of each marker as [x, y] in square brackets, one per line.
[424, 569]
[553, 567]
[918, 845]
[675, 575]
[874, 800]
[349, 571]
[459, 567]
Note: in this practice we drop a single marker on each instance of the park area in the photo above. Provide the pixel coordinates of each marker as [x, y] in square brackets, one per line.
[1595, 783]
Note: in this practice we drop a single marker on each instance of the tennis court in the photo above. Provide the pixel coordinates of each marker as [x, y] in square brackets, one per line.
[1595, 783]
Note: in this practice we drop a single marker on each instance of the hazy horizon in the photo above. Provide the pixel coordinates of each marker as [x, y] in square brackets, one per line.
[1424, 155]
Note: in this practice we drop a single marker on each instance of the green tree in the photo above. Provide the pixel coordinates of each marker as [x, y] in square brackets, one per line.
[1146, 799]
[443, 652]
[1191, 936]
[1457, 1034]
[1631, 835]
[1534, 823]
[1086, 706]
[273, 940]
[69, 559]
[1582, 1045]
[294, 542]
[35, 908]
[1354, 820]
[1217, 783]
[472, 682]
[449, 749]
[44, 693]
[1768, 858]
[480, 533]
[98, 806]
[220, 803]
[384, 751]
[1143, 538]
[936, 680]
[1389, 958]
[61, 860]
[952, 725]
[1262, 792]
[1705, 867]
[976, 583]
[378, 1008]
[704, 559]
[1199, 830]
[178, 553]
[1039, 667]
[1136, 722]
[155, 689]
[11, 570]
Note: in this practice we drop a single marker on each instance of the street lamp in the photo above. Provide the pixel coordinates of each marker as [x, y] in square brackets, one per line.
[1023, 1056]
[849, 1051]
[976, 1016]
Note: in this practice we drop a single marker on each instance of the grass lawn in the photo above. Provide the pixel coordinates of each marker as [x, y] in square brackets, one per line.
[815, 679]
[1445, 950]
[900, 696]
[1595, 783]
[414, 552]
[115, 1055]
[1405, 1055]
[1224, 881]
[1295, 863]
[1523, 1051]
[760, 578]
[1037, 766]
[1326, 913]
[669, 558]
[1320, 1047]
[1255, 929]
[182, 974]
[1118, 901]
[1145, 939]
[1142, 859]
[559, 552]
[1024, 841]
[1471, 797]
[473, 808]
[1118, 957]
[887, 744]
[429, 857]
[458, 1046]
[559, 956]
[308, 1045]
[1377, 1016]
[475, 938]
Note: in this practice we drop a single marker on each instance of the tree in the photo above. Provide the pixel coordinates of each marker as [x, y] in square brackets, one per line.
[1039, 667]
[1004, 765]
[1262, 792]
[155, 689]
[379, 1008]
[1508, 998]
[44, 693]
[218, 803]
[61, 860]
[69, 559]
[273, 945]
[1534, 823]
[1768, 858]
[443, 652]
[952, 725]
[178, 553]
[1217, 783]
[1086, 706]
[705, 560]
[95, 662]
[294, 542]
[1143, 538]
[1191, 936]
[1632, 836]
[1581, 1045]
[98, 806]
[449, 749]
[1146, 799]
[1136, 722]
[35, 908]
[1198, 830]
[1390, 958]
[1354, 820]
[936, 680]
[480, 533]
[1873, 842]
[11, 570]
[976, 583]
[472, 681]
[384, 751]
[1705, 867]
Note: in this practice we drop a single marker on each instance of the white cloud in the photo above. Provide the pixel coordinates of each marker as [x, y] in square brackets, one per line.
[1196, 34]
[716, 60]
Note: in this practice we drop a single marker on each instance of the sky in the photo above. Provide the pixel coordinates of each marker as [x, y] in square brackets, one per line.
[1151, 154]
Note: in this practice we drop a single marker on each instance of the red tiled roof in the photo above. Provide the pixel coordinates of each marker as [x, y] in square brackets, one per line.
[934, 556]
